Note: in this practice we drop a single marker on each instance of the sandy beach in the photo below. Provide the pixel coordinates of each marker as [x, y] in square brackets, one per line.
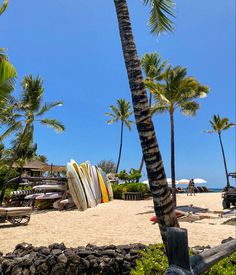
[117, 222]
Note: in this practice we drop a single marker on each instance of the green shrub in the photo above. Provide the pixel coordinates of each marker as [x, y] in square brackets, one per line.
[226, 266]
[154, 261]
[119, 190]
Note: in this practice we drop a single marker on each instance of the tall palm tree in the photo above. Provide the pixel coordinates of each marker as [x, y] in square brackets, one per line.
[218, 125]
[120, 113]
[177, 92]
[3, 6]
[30, 110]
[162, 199]
[153, 68]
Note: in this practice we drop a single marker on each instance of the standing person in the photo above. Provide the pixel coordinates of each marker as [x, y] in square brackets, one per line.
[191, 188]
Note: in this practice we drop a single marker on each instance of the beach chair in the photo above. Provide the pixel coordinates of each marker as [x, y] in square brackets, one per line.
[15, 215]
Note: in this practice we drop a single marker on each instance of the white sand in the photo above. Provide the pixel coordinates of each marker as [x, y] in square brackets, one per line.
[117, 222]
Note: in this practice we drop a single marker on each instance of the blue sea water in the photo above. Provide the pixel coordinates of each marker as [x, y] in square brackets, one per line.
[215, 190]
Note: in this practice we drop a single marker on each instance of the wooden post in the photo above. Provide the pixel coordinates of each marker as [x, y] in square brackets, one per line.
[177, 248]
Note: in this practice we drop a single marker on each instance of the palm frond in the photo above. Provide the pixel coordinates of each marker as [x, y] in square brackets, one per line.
[48, 106]
[161, 12]
[189, 108]
[3, 7]
[14, 127]
[53, 123]
[158, 109]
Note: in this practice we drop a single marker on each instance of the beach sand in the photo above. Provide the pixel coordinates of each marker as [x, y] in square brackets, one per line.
[116, 222]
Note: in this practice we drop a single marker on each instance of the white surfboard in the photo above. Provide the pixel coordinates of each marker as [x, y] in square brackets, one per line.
[88, 192]
[49, 187]
[75, 188]
[95, 182]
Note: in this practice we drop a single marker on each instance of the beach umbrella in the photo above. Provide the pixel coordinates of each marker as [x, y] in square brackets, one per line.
[183, 181]
[169, 181]
[199, 181]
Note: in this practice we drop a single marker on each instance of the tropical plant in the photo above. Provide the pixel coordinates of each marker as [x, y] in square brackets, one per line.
[133, 175]
[159, 21]
[30, 110]
[108, 166]
[153, 68]
[122, 113]
[218, 125]
[7, 81]
[42, 158]
[176, 92]
[3, 6]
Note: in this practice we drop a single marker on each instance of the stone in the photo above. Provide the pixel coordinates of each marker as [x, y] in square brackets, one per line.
[32, 269]
[62, 259]
[58, 269]
[44, 250]
[42, 269]
[51, 260]
[56, 252]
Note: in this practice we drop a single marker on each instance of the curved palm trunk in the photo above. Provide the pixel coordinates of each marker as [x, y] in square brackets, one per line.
[142, 160]
[224, 159]
[172, 142]
[121, 143]
[11, 164]
[155, 170]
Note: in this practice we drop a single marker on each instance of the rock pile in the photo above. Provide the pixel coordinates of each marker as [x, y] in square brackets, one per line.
[57, 259]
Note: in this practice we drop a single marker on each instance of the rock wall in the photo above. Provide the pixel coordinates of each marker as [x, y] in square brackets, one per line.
[57, 259]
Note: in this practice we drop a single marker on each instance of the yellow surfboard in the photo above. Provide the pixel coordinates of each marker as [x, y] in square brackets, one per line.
[103, 188]
[87, 172]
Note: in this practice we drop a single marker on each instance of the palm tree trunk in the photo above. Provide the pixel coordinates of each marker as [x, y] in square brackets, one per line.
[11, 164]
[142, 160]
[224, 159]
[155, 170]
[172, 142]
[121, 143]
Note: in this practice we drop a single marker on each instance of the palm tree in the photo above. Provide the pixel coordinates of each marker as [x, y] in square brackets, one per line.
[162, 199]
[153, 68]
[120, 113]
[3, 6]
[218, 125]
[30, 110]
[177, 92]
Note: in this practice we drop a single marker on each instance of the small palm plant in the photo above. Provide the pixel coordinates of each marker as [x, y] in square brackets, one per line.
[218, 125]
[122, 113]
[29, 110]
[176, 92]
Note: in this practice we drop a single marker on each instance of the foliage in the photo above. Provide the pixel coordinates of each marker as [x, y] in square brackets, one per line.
[3, 6]
[133, 175]
[219, 124]
[226, 266]
[161, 12]
[42, 158]
[120, 189]
[108, 166]
[154, 261]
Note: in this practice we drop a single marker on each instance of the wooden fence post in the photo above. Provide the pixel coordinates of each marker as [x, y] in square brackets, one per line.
[177, 251]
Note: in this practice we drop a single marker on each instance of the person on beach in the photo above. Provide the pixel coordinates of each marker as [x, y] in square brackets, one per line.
[191, 188]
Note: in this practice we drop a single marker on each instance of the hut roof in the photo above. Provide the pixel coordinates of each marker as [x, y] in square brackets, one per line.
[32, 164]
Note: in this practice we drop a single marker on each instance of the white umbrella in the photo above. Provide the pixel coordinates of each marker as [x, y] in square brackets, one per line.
[199, 181]
[184, 181]
[169, 181]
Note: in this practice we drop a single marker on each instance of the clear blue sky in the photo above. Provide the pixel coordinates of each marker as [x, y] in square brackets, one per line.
[74, 46]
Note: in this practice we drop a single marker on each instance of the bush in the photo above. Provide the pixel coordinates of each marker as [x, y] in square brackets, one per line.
[154, 261]
[119, 190]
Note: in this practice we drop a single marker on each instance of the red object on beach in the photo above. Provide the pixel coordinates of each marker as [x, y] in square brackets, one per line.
[178, 214]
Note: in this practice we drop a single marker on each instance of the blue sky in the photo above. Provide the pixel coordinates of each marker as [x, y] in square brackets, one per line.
[74, 46]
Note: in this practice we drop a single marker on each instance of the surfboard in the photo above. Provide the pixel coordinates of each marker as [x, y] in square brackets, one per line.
[75, 188]
[49, 187]
[108, 184]
[50, 196]
[33, 196]
[102, 186]
[88, 192]
[87, 174]
[95, 182]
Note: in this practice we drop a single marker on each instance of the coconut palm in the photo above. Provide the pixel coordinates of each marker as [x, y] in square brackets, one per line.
[177, 92]
[153, 68]
[159, 22]
[218, 125]
[122, 113]
[30, 109]
[3, 6]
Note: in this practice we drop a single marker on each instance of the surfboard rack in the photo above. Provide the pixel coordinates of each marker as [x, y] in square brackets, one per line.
[15, 215]
[133, 196]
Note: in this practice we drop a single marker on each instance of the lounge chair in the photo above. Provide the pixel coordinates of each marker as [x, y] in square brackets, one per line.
[15, 215]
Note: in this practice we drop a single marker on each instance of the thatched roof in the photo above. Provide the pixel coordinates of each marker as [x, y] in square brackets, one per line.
[37, 165]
